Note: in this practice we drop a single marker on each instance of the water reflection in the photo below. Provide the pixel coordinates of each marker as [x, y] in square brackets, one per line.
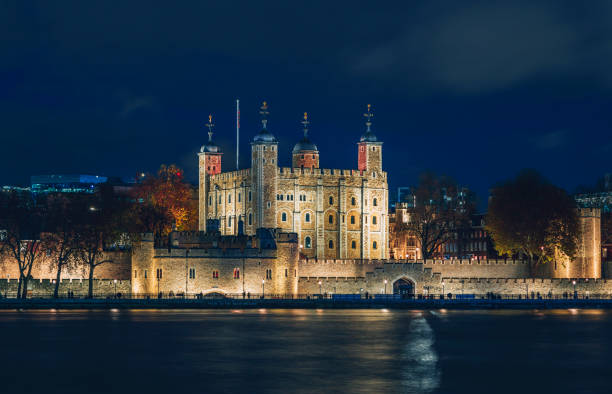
[420, 372]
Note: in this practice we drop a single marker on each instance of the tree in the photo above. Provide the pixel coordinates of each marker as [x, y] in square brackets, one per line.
[531, 216]
[167, 200]
[104, 221]
[61, 237]
[440, 211]
[20, 221]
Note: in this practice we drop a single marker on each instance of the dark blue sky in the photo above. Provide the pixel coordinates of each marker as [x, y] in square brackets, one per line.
[474, 89]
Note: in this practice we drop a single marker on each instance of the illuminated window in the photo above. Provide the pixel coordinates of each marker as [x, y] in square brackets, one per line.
[236, 273]
[215, 274]
[307, 243]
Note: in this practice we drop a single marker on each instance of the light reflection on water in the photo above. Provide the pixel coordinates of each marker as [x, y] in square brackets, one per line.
[305, 351]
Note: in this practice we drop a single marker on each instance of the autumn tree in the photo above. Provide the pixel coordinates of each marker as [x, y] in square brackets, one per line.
[440, 210]
[167, 200]
[530, 216]
[21, 243]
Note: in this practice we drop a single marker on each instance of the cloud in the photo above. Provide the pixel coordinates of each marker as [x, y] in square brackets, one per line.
[491, 46]
[551, 140]
[133, 104]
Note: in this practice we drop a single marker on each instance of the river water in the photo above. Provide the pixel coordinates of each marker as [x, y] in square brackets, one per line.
[306, 351]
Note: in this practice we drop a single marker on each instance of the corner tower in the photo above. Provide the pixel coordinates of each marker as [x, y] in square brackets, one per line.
[370, 149]
[209, 163]
[264, 170]
[305, 153]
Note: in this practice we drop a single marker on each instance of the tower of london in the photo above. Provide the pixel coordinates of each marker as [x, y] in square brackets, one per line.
[336, 213]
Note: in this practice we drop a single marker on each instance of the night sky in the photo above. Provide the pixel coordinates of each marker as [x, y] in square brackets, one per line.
[477, 90]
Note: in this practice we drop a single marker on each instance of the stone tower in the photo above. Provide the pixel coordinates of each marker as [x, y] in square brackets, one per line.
[305, 153]
[370, 149]
[209, 164]
[264, 165]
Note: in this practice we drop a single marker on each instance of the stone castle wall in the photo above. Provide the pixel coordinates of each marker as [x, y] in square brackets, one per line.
[79, 287]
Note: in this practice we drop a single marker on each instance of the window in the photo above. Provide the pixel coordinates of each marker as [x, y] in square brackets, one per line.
[313, 156]
[249, 196]
[269, 204]
[353, 201]
[236, 273]
[330, 244]
[302, 156]
[307, 243]
[331, 219]
[268, 274]
[159, 273]
[286, 272]
[135, 274]
[191, 273]
[352, 219]
[374, 245]
[307, 217]
[229, 198]
[229, 222]
[373, 149]
[250, 219]
[375, 202]
[331, 200]
[373, 219]
[284, 217]
[215, 274]
[239, 197]
[209, 200]
[145, 274]
[353, 245]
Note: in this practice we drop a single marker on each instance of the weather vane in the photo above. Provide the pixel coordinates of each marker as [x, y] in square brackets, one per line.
[368, 115]
[305, 122]
[210, 126]
[264, 113]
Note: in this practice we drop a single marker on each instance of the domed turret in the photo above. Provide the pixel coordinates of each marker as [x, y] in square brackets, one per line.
[305, 152]
[264, 136]
[370, 148]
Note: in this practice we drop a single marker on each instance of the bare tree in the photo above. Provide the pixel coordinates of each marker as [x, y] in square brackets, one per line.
[20, 220]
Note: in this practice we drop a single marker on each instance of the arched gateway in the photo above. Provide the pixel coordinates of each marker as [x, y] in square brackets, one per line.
[404, 287]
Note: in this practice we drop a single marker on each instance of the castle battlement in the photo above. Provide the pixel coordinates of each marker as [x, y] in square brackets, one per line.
[231, 175]
[327, 172]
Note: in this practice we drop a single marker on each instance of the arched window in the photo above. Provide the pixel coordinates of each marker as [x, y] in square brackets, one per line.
[375, 202]
[331, 200]
[307, 243]
[353, 245]
[374, 245]
[352, 219]
[307, 217]
[353, 201]
[331, 244]
[250, 219]
[284, 217]
[331, 219]
[373, 219]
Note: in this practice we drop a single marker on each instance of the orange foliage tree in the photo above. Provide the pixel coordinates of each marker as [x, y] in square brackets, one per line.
[171, 196]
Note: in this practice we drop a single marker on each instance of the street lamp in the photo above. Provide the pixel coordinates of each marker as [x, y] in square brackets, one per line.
[115, 287]
[574, 283]
[443, 288]
[416, 254]
[320, 284]
[385, 286]
[263, 291]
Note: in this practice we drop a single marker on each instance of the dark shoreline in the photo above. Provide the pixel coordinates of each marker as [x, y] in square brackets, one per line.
[11, 304]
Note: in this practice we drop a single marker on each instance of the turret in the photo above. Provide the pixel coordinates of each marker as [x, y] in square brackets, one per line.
[264, 164]
[209, 162]
[370, 149]
[305, 153]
